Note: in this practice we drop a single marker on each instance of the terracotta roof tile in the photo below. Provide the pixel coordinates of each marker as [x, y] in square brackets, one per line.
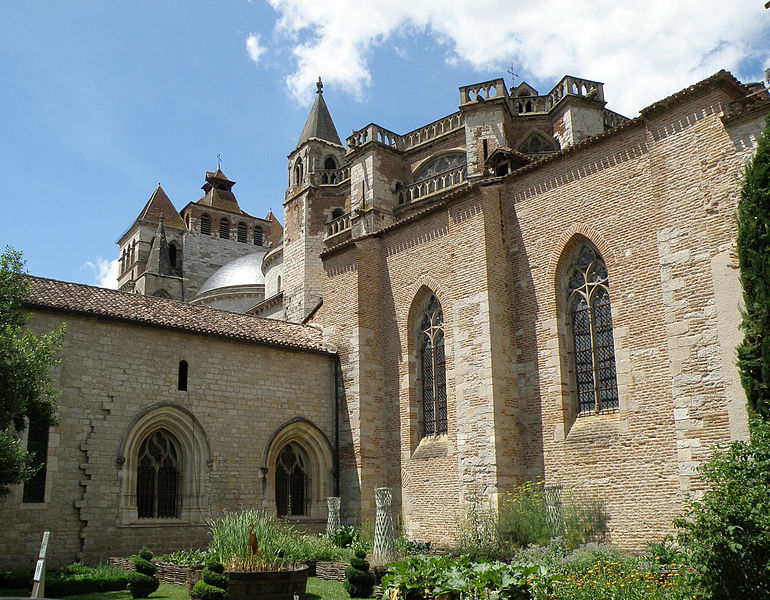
[159, 203]
[76, 298]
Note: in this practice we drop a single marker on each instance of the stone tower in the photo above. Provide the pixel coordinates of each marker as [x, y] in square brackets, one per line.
[314, 197]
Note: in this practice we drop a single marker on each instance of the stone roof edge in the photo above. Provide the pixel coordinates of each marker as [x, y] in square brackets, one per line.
[31, 304]
[720, 77]
[747, 112]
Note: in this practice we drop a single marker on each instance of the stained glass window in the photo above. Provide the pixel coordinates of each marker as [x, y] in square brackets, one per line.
[433, 368]
[157, 480]
[590, 324]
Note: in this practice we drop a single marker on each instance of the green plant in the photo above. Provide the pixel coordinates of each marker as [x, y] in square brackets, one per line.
[213, 585]
[345, 536]
[753, 248]
[727, 533]
[477, 532]
[187, 558]
[142, 582]
[359, 580]
[81, 579]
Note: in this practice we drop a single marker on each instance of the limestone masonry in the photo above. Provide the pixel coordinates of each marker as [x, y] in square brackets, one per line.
[531, 287]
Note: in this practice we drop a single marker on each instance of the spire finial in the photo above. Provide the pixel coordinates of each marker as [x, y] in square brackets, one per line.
[319, 86]
[219, 161]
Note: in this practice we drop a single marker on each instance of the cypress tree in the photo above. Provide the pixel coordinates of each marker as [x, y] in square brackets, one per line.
[754, 259]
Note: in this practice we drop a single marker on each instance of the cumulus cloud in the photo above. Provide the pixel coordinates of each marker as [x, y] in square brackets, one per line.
[105, 272]
[642, 51]
[254, 48]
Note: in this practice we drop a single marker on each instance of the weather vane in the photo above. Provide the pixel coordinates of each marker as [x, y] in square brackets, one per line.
[219, 161]
[513, 75]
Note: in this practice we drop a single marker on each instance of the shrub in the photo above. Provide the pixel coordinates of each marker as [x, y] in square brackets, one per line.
[359, 581]
[141, 585]
[213, 586]
[187, 558]
[80, 579]
[12, 580]
[143, 582]
[727, 533]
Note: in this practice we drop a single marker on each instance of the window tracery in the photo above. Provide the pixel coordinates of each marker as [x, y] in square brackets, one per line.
[432, 365]
[157, 478]
[291, 479]
[440, 164]
[590, 329]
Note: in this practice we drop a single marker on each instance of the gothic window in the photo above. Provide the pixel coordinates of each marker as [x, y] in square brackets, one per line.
[242, 232]
[157, 478]
[257, 236]
[279, 283]
[182, 378]
[330, 163]
[37, 443]
[440, 164]
[291, 482]
[432, 368]
[224, 228]
[590, 330]
[205, 224]
[298, 172]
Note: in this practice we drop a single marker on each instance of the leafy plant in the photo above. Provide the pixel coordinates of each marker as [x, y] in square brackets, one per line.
[186, 558]
[345, 536]
[727, 533]
[213, 585]
[359, 581]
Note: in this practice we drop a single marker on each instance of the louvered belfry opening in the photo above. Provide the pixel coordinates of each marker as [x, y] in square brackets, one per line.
[590, 320]
[158, 477]
[205, 224]
[433, 369]
[291, 483]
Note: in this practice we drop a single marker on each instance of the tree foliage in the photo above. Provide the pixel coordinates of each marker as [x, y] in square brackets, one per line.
[754, 258]
[26, 386]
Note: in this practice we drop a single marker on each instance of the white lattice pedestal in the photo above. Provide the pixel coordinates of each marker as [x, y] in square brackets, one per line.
[333, 520]
[384, 532]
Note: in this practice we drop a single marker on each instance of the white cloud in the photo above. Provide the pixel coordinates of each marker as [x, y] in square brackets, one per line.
[105, 272]
[642, 51]
[253, 47]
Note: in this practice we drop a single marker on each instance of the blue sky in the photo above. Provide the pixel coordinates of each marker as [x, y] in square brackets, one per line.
[104, 99]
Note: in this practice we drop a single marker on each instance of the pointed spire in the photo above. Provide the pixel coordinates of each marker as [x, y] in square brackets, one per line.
[319, 122]
[160, 204]
[159, 261]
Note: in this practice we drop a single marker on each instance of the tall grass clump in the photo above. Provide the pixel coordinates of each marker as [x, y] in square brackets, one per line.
[279, 543]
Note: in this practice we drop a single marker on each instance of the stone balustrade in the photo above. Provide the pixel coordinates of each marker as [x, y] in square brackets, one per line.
[432, 131]
[613, 119]
[337, 226]
[375, 133]
[574, 86]
[434, 184]
[487, 90]
[332, 176]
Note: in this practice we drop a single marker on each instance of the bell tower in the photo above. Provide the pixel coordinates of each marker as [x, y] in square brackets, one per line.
[314, 196]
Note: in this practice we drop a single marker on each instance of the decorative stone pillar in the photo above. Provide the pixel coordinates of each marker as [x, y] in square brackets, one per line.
[384, 532]
[333, 520]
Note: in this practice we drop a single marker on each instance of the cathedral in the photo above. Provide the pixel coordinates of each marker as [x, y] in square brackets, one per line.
[533, 286]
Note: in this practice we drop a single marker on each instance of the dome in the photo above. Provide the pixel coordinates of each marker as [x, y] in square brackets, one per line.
[246, 270]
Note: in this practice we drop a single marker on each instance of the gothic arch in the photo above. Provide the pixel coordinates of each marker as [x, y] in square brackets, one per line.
[536, 142]
[310, 442]
[453, 158]
[195, 460]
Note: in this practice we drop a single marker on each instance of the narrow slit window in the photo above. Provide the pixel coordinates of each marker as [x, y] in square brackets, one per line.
[432, 363]
[182, 378]
[37, 443]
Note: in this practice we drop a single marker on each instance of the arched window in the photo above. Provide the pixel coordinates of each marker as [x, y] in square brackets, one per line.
[291, 482]
[172, 255]
[440, 164]
[242, 232]
[205, 224]
[279, 283]
[182, 378]
[257, 236]
[330, 163]
[432, 367]
[536, 143]
[298, 172]
[224, 228]
[157, 477]
[590, 329]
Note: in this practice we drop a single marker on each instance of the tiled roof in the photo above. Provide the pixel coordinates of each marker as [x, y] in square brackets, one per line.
[159, 203]
[319, 124]
[102, 303]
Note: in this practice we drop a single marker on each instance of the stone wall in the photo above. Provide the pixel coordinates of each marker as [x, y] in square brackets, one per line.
[113, 376]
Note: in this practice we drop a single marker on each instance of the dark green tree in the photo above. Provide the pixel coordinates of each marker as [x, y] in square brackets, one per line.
[754, 259]
[26, 386]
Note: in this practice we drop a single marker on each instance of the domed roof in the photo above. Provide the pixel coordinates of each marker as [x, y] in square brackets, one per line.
[243, 271]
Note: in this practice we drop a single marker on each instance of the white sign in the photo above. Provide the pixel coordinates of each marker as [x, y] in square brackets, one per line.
[44, 544]
[39, 569]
